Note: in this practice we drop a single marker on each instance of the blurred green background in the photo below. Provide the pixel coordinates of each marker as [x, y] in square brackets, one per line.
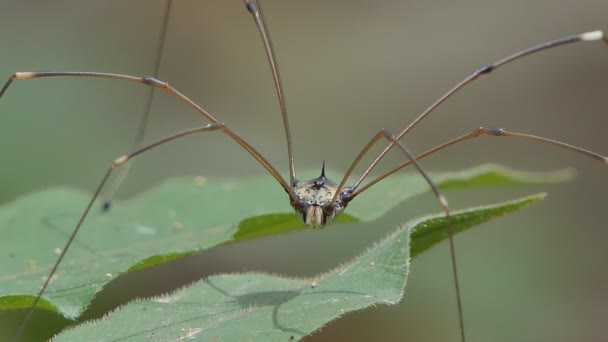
[349, 68]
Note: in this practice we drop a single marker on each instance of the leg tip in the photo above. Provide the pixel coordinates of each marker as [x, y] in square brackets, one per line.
[107, 205]
[591, 36]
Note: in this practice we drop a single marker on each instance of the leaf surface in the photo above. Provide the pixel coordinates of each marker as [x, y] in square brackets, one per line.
[262, 307]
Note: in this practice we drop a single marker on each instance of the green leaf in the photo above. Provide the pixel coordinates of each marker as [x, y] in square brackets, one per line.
[162, 224]
[262, 307]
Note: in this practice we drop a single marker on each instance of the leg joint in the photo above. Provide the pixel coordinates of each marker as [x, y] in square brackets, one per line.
[388, 134]
[25, 75]
[119, 161]
[214, 126]
[496, 131]
[486, 69]
[153, 81]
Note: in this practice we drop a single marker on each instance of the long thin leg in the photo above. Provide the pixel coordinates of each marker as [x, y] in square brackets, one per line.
[256, 10]
[145, 117]
[154, 82]
[486, 69]
[495, 132]
[384, 134]
[117, 163]
[215, 125]
[444, 205]
[147, 80]
[473, 134]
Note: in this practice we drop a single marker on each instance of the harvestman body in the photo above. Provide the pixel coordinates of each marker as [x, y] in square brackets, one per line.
[318, 201]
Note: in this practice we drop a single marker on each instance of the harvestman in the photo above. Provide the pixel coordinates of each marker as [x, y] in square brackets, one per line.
[320, 200]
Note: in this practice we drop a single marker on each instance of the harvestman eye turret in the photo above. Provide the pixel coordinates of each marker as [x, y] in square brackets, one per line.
[320, 200]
